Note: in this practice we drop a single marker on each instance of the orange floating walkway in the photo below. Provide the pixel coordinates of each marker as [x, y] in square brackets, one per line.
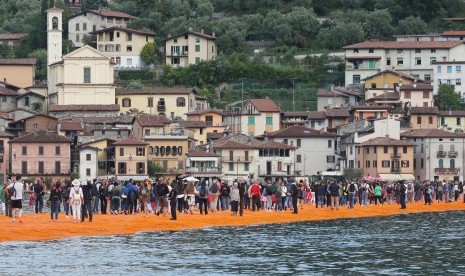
[40, 227]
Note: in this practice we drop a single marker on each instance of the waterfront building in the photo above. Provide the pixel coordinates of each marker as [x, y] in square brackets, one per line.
[130, 159]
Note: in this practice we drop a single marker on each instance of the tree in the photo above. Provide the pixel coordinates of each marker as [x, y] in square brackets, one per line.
[411, 25]
[148, 53]
[154, 169]
[37, 106]
[207, 94]
[93, 4]
[350, 173]
[447, 98]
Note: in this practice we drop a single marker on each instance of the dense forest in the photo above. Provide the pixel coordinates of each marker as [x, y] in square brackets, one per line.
[286, 28]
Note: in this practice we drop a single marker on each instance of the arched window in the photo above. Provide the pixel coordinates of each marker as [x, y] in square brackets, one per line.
[55, 23]
[441, 147]
[174, 150]
[179, 150]
[452, 164]
[150, 150]
[168, 150]
[441, 163]
[452, 147]
[156, 150]
[162, 150]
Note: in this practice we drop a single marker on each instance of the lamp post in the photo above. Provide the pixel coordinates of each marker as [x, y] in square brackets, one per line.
[237, 168]
[130, 159]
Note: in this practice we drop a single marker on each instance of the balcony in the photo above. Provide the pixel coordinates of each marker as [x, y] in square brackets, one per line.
[161, 108]
[203, 169]
[395, 170]
[453, 154]
[237, 159]
[447, 170]
[396, 155]
[441, 154]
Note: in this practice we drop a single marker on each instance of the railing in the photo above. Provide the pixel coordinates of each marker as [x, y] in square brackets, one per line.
[395, 170]
[161, 108]
[447, 170]
[203, 169]
[238, 159]
[396, 155]
[441, 153]
[453, 154]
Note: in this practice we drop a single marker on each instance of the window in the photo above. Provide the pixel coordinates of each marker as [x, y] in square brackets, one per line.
[181, 101]
[251, 120]
[41, 167]
[458, 121]
[373, 85]
[368, 150]
[41, 150]
[443, 121]
[385, 163]
[385, 149]
[84, 26]
[121, 151]
[129, 62]
[140, 151]
[439, 69]
[388, 61]
[285, 141]
[86, 74]
[458, 68]
[356, 79]
[330, 159]
[407, 94]
[126, 102]
[197, 60]
[441, 163]
[175, 61]
[375, 163]
[57, 150]
[418, 61]
[367, 164]
[371, 64]
[57, 167]
[374, 149]
[419, 120]
[24, 150]
[280, 166]
[150, 102]
[371, 50]
[400, 61]
[88, 157]
[404, 149]
[400, 51]
[140, 167]
[432, 60]
[358, 164]
[449, 69]
[24, 167]
[404, 163]
[87, 172]
[129, 48]
[355, 51]
[231, 167]
[269, 121]
[77, 27]
[425, 94]
[330, 144]
[26, 101]
[458, 82]
[452, 164]
[122, 168]
[299, 143]
[422, 163]
[128, 37]
[299, 158]
[417, 51]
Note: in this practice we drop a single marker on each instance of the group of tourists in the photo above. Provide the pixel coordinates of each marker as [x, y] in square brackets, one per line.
[81, 200]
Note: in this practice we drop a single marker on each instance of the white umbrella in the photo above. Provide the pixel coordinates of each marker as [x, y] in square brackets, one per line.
[191, 178]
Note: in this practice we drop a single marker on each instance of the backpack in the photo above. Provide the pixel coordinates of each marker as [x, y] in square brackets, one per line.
[389, 190]
[410, 186]
[12, 190]
[76, 196]
[65, 192]
[352, 187]
[214, 188]
[269, 190]
[203, 191]
[224, 191]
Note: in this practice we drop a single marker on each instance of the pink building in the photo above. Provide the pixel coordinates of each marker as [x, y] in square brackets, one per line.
[4, 155]
[41, 154]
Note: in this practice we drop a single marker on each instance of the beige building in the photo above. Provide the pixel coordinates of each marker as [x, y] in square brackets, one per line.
[105, 155]
[19, 72]
[387, 158]
[4, 155]
[131, 159]
[89, 83]
[385, 82]
[212, 118]
[123, 45]
[256, 117]
[82, 24]
[424, 117]
[173, 102]
[189, 48]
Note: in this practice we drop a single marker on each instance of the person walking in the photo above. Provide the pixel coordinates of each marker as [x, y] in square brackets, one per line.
[38, 189]
[214, 191]
[224, 197]
[16, 195]
[115, 198]
[172, 196]
[377, 191]
[203, 196]
[402, 191]
[353, 190]
[294, 194]
[103, 194]
[234, 199]
[254, 193]
[162, 192]
[55, 199]
[334, 193]
[65, 191]
[86, 207]
[189, 194]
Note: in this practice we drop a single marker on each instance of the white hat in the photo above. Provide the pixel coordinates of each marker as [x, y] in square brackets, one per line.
[76, 182]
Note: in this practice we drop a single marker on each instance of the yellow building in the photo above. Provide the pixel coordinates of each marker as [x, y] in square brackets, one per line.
[173, 102]
[211, 121]
[424, 117]
[189, 48]
[131, 159]
[385, 81]
[387, 158]
[18, 72]
[82, 77]
[453, 121]
[123, 45]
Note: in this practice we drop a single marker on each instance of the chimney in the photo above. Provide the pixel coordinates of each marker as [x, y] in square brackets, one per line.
[202, 31]
[213, 34]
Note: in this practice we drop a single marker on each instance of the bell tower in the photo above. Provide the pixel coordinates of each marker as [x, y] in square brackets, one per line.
[54, 41]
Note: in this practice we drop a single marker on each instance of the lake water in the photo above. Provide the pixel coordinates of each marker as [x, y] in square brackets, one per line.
[398, 245]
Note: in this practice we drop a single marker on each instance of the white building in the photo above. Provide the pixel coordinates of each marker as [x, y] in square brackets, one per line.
[82, 24]
[451, 73]
[203, 164]
[88, 163]
[412, 57]
[438, 154]
[315, 152]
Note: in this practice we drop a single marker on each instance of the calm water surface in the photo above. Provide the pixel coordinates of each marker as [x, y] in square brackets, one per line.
[418, 244]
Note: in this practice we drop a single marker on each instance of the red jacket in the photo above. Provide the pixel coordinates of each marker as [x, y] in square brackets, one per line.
[255, 190]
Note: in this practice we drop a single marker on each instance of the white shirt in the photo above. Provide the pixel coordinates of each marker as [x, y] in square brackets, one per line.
[19, 190]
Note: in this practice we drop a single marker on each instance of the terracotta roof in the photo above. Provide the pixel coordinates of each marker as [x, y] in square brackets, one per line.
[434, 110]
[151, 120]
[18, 61]
[453, 33]
[41, 137]
[192, 32]
[269, 144]
[337, 112]
[404, 45]
[371, 107]
[100, 119]
[214, 135]
[241, 141]
[129, 142]
[430, 133]
[107, 13]
[6, 134]
[388, 96]
[325, 93]
[265, 105]
[295, 114]
[128, 30]
[99, 140]
[452, 113]
[397, 73]
[316, 115]
[70, 126]
[39, 115]
[12, 36]
[8, 92]
[205, 111]
[154, 90]
[386, 141]
[417, 86]
[84, 107]
[192, 124]
[200, 153]
[31, 93]
[299, 131]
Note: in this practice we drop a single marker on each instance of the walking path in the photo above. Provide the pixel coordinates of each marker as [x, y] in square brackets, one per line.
[40, 227]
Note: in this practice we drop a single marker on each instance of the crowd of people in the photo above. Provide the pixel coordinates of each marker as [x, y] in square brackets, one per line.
[81, 200]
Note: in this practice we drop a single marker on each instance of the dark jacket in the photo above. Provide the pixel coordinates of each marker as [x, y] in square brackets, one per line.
[162, 189]
[87, 192]
[55, 194]
[173, 193]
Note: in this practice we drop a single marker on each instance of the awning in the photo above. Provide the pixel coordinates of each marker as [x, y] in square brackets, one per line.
[206, 174]
[396, 176]
[408, 176]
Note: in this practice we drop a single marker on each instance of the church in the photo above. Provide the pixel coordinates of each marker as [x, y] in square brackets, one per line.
[81, 79]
